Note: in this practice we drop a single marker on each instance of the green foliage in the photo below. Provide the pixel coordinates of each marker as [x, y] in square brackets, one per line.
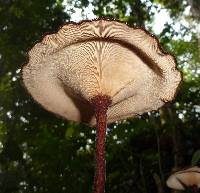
[42, 153]
[195, 158]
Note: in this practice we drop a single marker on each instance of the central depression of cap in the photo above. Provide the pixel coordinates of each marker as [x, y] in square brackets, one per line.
[67, 69]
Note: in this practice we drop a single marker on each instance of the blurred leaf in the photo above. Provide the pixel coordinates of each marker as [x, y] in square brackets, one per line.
[195, 158]
[69, 132]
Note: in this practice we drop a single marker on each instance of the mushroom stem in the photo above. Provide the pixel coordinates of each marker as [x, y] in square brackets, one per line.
[195, 189]
[100, 103]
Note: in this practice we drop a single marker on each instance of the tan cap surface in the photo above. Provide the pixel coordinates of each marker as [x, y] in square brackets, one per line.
[68, 68]
[188, 177]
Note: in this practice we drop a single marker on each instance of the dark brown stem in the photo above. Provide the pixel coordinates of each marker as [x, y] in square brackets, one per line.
[195, 189]
[100, 103]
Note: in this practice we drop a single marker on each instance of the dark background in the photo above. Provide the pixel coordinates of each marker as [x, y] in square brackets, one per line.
[42, 153]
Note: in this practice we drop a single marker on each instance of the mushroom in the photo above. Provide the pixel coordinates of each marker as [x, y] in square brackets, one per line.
[103, 69]
[185, 179]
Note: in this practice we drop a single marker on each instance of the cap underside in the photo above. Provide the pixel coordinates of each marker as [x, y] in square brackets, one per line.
[69, 68]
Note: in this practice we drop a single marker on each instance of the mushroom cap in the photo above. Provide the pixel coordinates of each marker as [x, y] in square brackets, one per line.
[100, 57]
[185, 178]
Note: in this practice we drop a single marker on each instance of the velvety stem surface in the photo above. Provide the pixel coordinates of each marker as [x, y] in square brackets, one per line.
[195, 189]
[101, 103]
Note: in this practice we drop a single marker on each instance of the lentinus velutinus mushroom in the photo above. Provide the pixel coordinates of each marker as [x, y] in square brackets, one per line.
[100, 69]
[185, 179]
